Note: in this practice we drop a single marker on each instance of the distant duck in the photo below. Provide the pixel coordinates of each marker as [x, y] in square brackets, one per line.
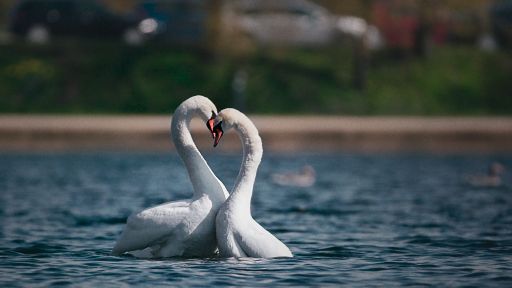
[306, 177]
[491, 179]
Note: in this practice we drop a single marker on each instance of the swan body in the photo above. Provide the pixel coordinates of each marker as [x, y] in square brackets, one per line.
[238, 234]
[180, 228]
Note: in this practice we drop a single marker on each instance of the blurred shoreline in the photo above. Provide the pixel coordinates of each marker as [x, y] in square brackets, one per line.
[47, 133]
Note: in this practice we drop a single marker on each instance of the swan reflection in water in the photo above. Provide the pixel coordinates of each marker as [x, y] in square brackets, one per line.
[306, 177]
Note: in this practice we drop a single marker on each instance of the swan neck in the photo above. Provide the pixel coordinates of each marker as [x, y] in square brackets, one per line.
[180, 132]
[201, 176]
[181, 136]
[252, 153]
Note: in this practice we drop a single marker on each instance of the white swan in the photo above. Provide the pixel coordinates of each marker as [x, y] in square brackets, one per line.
[181, 228]
[238, 234]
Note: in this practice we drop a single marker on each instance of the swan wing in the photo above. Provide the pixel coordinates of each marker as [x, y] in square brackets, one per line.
[152, 226]
[256, 241]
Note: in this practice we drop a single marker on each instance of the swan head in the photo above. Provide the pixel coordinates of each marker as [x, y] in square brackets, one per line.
[205, 109]
[199, 106]
[225, 120]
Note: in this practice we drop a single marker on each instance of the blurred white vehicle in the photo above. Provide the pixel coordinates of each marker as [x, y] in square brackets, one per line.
[288, 22]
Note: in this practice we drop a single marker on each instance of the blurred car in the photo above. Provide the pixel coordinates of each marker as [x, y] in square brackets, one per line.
[398, 22]
[287, 22]
[39, 20]
[175, 21]
[501, 23]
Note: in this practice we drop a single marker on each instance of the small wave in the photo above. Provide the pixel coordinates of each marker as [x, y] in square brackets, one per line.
[457, 242]
[38, 248]
[419, 239]
[56, 283]
[471, 243]
[502, 279]
[97, 220]
[314, 211]
[335, 252]
[282, 230]
[425, 225]
[89, 220]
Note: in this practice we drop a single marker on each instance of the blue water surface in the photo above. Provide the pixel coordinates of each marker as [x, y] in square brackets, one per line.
[370, 220]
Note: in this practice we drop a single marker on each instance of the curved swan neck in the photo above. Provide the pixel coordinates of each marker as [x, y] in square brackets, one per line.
[202, 178]
[180, 130]
[252, 153]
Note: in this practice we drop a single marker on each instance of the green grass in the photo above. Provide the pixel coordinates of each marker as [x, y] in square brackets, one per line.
[111, 78]
[451, 81]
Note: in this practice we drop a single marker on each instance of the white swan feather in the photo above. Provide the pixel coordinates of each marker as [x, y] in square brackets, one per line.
[238, 234]
[186, 227]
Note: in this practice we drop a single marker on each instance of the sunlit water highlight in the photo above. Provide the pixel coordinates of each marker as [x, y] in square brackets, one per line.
[370, 220]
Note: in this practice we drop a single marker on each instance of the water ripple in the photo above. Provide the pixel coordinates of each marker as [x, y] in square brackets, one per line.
[370, 220]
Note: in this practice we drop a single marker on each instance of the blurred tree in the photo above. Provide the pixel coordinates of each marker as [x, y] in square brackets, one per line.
[5, 7]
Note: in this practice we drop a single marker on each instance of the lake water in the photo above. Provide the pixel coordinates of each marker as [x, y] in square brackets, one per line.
[370, 220]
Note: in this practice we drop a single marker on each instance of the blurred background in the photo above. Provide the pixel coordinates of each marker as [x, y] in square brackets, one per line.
[370, 57]
[386, 126]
